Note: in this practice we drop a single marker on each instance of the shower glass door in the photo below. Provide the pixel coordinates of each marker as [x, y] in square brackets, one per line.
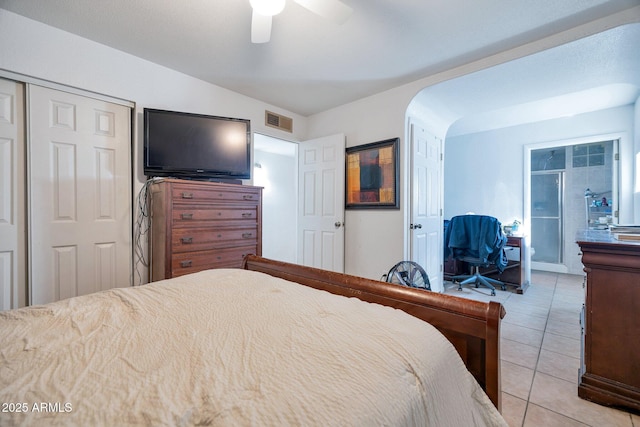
[546, 216]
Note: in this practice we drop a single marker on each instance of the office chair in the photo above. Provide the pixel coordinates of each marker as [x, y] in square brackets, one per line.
[477, 240]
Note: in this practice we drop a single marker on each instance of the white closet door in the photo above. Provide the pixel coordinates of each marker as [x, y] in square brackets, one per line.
[12, 201]
[80, 195]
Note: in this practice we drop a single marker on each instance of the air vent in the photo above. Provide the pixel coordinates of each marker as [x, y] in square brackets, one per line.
[278, 121]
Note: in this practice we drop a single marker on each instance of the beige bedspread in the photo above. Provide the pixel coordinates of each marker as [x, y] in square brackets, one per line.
[230, 348]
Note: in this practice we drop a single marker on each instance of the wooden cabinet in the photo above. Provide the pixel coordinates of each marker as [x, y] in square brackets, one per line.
[200, 225]
[610, 373]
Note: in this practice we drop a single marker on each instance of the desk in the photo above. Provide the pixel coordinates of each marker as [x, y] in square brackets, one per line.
[514, 273]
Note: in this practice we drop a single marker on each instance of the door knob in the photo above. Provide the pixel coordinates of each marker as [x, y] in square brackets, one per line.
[338, 224]
[415, 226]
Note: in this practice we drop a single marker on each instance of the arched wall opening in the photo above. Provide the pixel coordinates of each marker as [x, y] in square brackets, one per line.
[580, 89]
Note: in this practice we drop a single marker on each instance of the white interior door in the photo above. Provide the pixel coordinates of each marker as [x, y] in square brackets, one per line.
[321, 203]
[426, 204]
[80, 195]
[12, 201]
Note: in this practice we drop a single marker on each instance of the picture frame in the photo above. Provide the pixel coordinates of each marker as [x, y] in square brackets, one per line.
[372, 175]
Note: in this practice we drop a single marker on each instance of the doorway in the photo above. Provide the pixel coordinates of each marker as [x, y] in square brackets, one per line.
[275, 169]
[572, 186]
[303, 203]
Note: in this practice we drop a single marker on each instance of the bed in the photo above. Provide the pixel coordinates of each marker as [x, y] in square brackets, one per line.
[253, 347]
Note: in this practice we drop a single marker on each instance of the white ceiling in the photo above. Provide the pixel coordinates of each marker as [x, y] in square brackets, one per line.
[311, 65]
[594, 73]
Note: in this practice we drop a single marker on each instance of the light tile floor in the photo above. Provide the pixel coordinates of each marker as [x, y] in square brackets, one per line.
[540, 352]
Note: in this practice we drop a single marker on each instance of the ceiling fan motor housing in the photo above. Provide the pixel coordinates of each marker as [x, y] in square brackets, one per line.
[267, 7]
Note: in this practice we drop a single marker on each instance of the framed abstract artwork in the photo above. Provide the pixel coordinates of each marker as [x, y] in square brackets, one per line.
[372, 175]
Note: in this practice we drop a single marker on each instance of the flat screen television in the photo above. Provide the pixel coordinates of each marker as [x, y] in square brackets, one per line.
[196, 146]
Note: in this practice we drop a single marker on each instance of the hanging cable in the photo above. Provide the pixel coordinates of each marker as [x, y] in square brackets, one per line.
[141, 228]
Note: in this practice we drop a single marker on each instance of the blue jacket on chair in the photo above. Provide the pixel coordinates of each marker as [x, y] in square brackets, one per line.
[477, 236]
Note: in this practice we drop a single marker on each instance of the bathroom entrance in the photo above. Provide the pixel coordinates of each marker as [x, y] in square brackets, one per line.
[573, 186]
[547, 201]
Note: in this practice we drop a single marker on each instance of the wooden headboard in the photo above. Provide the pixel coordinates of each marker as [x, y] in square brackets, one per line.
[473, 327]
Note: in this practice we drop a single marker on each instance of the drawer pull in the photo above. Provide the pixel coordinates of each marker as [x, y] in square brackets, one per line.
[248, 197]
[185, 264]
[186, 216]
[247, 215]
[186, 195]
[247, 235]
[187, 240]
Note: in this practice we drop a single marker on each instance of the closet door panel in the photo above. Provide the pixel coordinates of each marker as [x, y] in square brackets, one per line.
[12, 201]
[80, 195]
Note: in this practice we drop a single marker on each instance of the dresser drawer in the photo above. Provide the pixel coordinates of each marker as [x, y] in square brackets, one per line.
[197, 225]
[198, 193]
[199, 239]
[190, 262]
[192, 215]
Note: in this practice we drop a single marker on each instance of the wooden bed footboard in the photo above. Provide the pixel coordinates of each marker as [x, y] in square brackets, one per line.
[473, 327]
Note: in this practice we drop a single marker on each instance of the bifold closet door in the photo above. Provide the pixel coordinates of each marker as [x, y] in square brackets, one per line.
[12, 196]
[80, 195]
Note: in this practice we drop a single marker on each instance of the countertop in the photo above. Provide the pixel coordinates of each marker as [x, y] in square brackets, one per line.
[602, 236]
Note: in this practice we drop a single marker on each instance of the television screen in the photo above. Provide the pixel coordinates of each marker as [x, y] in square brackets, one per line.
[196, 146]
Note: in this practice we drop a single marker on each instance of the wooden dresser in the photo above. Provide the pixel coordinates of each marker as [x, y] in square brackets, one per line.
[199, 225]
[610, 371]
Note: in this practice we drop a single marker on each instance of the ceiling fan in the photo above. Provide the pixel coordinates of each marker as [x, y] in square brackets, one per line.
[265, 10]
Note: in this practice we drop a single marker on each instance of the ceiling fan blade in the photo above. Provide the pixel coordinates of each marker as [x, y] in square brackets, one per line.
[333, 10]
[260, 28]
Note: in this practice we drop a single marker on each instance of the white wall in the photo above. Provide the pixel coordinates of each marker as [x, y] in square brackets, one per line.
[374, 239]
[37, 50]
[32, 49]
[497, 158]
[636, 171]
[484, 171]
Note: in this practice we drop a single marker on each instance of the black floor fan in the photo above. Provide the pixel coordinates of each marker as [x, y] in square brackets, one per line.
[408, 273]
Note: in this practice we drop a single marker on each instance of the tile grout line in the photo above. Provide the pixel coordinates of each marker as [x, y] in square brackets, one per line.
[556, 289]
[535, 370]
